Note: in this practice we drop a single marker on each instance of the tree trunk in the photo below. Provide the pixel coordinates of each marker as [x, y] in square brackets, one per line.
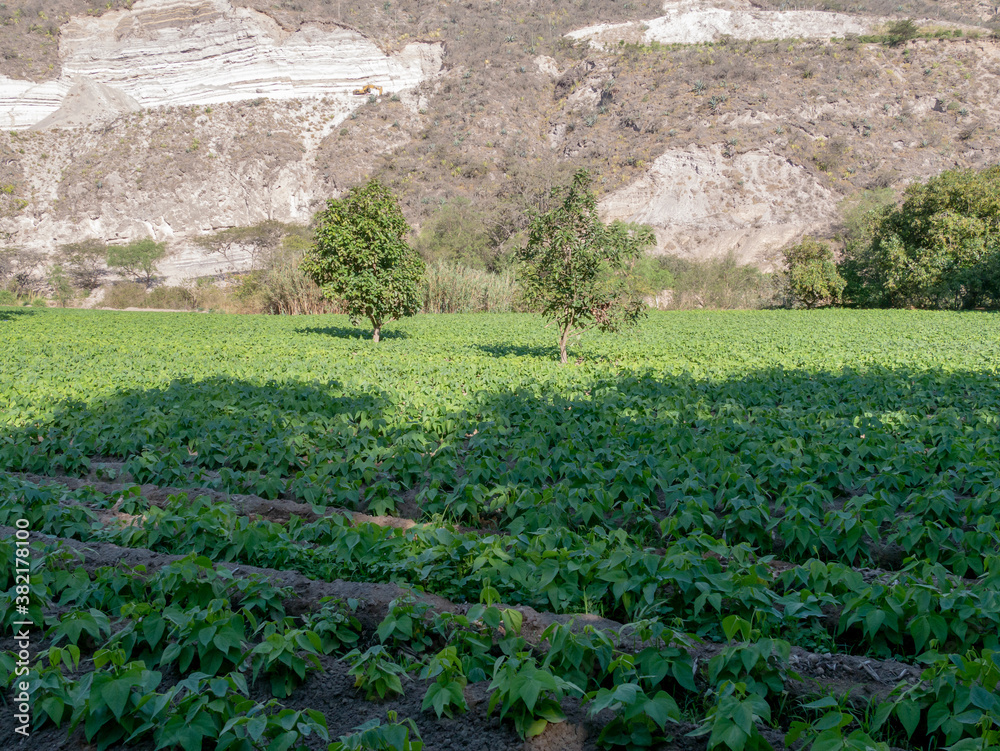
[562, 344]
[376, 334]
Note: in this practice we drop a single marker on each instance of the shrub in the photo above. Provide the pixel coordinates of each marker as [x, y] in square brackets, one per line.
[719, 283]
[281, 287]
[939, 249]
[206, 295]
[125, 295]
[899, 32]
[176, 298]
[812, 276]
[651, 276]
[62, 290]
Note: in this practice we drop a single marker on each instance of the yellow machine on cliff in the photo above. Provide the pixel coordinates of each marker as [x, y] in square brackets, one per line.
[368, 89]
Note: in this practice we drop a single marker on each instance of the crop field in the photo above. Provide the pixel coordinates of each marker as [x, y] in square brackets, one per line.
[729, 530]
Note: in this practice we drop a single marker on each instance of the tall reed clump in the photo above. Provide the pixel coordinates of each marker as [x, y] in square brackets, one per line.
[720, 283]
[281, 287]
[453, 288]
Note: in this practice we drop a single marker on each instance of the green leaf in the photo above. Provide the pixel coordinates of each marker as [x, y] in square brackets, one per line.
[115, 694]
[983, 699]
[256, 727]
[908, 713]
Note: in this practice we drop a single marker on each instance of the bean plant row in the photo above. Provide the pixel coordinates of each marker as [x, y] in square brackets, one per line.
[736, 486]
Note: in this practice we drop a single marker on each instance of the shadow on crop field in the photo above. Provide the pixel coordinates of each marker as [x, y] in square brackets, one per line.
[620, 447]
[519, 350]
[250, 437]
[11, 314]
[344, 332]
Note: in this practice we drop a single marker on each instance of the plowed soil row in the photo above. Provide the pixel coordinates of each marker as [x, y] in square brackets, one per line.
[860, 676]
[277, 510]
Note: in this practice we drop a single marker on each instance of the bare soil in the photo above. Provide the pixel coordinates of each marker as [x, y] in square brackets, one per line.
[276, 510]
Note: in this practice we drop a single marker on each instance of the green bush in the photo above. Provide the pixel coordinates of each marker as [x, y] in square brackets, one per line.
[939, 249]
[899, 32]
[811, 275]
[7, 297]
[651, 276]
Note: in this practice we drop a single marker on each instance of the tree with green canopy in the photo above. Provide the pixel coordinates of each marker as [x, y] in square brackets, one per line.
[939, 249]
[361, 259]
[577, 270]
[137, 259]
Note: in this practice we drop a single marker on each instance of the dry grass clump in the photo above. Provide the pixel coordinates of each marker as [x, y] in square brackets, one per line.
[719, 283]
[453, 288]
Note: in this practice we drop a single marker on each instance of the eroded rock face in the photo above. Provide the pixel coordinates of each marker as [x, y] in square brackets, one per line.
[693, 22]
[24, 103]
[703, 203]
[184, 52]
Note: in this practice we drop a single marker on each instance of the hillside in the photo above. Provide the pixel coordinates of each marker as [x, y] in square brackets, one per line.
[180, 117]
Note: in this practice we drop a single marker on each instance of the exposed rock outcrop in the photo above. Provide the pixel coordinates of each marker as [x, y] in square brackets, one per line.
[693, 22]
[703, 203]
[184, 52]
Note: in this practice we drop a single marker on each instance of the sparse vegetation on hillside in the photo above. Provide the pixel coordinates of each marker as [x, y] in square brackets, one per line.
[960, 11]
[29, 33]
[854, 115]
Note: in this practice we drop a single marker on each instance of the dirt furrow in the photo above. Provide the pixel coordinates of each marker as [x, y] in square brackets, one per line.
[861, 676]
[277, 510]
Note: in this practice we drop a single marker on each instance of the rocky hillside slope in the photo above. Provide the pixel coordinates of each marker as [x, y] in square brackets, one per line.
[180, 117]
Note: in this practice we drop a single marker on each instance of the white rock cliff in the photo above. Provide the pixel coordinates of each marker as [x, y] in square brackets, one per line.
[701, 203]
[694, 22]
[183, 52]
